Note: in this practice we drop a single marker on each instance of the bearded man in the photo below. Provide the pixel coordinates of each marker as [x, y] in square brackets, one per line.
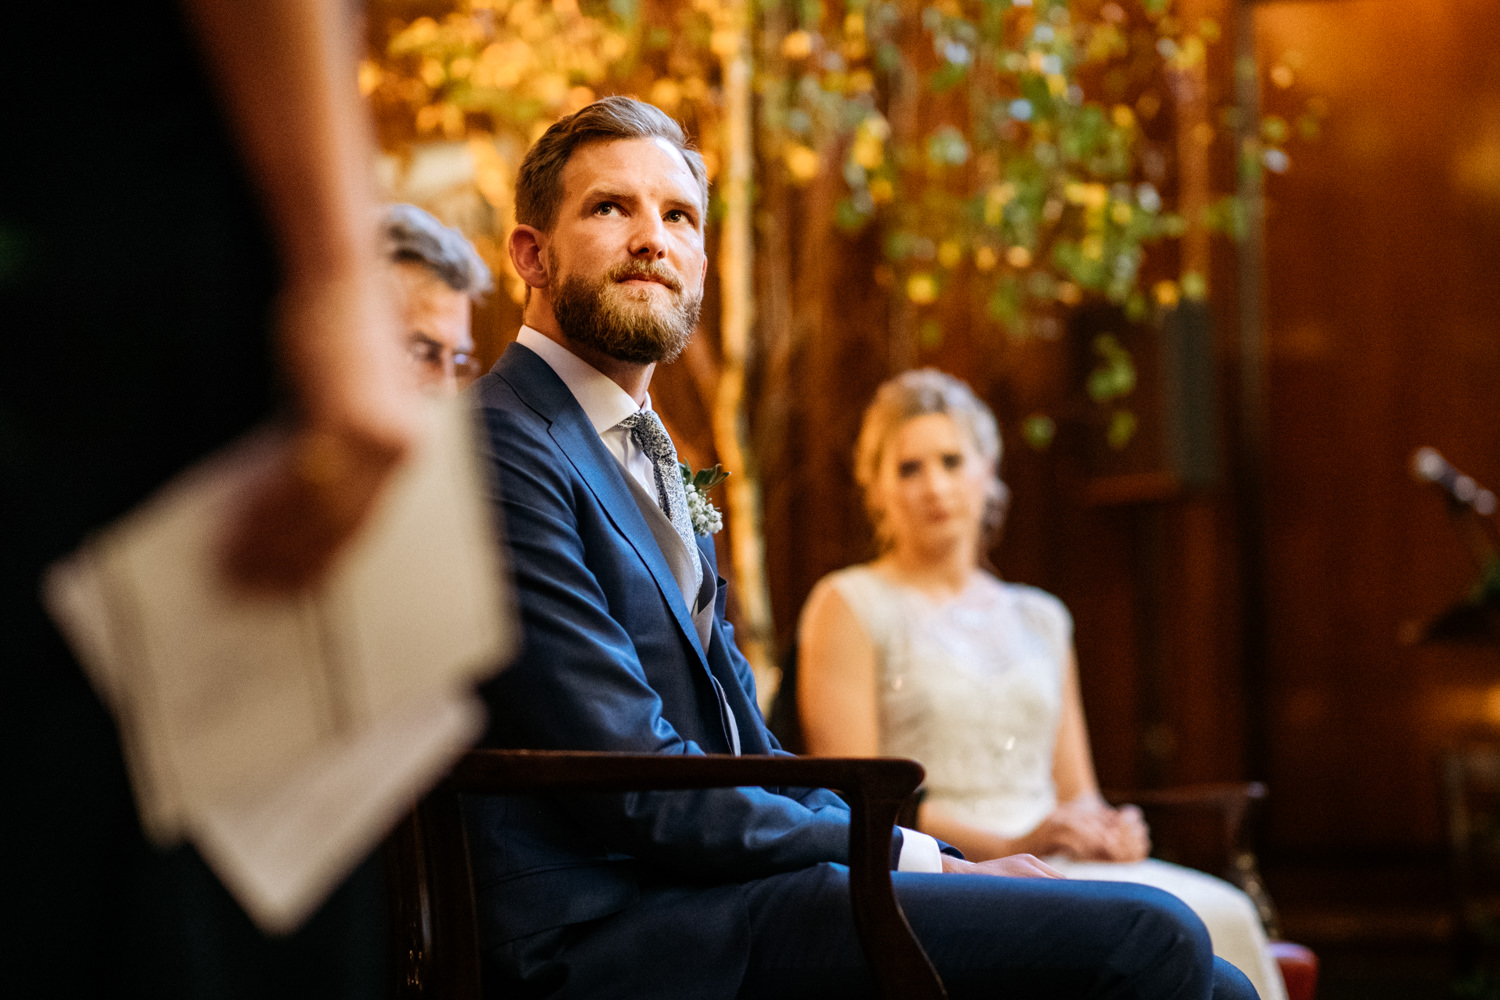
[724, 892]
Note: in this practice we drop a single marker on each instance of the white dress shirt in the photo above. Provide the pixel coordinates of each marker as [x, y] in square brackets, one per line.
[606, 404]
[603, 402]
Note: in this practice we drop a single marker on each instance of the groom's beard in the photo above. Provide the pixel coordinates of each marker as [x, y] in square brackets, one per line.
[618, 322]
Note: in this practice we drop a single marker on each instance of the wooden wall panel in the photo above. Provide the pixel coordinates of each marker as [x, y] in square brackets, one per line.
[1381, 255]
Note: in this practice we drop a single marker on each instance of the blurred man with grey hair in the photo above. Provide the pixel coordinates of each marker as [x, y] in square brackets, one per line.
[438, 277]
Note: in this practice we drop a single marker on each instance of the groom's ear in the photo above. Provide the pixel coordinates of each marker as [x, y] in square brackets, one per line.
[528, 247]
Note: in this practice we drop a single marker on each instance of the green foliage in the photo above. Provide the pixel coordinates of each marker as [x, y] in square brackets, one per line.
[1034, 168]
[1114, 377]
[1033, 175]
[703, 479]
[1038, 431]
[1121, 429]
[1020, 145]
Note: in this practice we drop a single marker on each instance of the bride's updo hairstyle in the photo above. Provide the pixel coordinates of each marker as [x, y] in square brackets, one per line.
[917, 393]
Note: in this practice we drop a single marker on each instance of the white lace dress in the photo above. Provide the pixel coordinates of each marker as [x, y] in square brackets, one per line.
[972, 687]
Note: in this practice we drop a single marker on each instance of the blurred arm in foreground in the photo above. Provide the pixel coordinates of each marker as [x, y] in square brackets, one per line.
[285, 72]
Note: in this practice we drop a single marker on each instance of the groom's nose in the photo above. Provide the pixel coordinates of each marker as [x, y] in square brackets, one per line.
[649, 237]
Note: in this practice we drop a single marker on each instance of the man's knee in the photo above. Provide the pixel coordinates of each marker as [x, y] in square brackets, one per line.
[1165, 950]
[1168, 919]
[1231, 984]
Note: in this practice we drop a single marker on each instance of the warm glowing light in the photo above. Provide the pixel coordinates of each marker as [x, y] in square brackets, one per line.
[552, 88]
[801, 162]
[492, 174]
[869, 150]
[711, 163]
[922, 289]
[995, 200]
[370, 76]
[580, 97]
[797, 45]
[1194, 286]
[725, 42]
[422, 31]
[666, 94]
[1190, 54]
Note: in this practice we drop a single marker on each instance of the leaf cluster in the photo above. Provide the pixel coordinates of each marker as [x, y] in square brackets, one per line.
[1012, 148]
[1025, 163]
[703, 479]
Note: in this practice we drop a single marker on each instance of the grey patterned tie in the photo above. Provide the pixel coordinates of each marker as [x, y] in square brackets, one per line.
[651, 437]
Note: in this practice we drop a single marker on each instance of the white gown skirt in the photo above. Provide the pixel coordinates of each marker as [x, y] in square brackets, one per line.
[1233, 925]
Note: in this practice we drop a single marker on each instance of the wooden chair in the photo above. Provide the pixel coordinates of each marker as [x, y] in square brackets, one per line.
[436, 947]
[1471, 820]
[1206, 826]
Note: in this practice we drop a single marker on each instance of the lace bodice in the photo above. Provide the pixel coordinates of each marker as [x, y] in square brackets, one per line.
[971, 687]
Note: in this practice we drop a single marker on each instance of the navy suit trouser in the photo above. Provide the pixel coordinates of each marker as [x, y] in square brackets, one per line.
[1018, 939]
[991, 937]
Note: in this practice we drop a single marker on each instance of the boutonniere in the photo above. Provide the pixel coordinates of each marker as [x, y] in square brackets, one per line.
[701, 511]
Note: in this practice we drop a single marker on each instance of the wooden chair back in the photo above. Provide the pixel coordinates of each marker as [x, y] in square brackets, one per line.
[436, 941]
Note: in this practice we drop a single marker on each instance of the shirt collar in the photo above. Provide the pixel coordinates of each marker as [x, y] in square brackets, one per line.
[603, 401]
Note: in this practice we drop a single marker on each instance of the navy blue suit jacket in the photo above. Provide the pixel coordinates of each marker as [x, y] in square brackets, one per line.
[611, 661]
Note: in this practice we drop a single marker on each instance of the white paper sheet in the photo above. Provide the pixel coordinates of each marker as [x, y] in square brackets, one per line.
[284, 735]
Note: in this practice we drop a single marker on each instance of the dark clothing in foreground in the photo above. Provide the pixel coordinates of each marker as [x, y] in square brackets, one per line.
[136, 284]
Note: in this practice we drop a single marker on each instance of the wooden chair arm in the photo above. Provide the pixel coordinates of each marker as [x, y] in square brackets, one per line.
[1227, 795]
[875, 789]
[1234, 859]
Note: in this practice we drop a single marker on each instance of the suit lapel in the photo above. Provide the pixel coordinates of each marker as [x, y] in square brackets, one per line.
[684, 571]
[534, 381]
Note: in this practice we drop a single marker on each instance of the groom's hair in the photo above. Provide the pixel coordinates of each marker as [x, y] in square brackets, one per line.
[539, 182]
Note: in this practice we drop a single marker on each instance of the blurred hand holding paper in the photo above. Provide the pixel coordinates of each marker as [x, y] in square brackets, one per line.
[285, 734]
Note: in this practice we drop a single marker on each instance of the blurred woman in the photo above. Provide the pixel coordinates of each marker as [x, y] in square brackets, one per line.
[922, 653]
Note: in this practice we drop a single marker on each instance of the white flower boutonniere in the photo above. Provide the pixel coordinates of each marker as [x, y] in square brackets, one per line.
[701, 511]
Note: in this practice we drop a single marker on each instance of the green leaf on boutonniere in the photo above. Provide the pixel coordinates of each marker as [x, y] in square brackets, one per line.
[703, 479]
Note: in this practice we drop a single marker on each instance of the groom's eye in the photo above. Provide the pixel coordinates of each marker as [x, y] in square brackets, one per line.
[606, 208]
[953, 460]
